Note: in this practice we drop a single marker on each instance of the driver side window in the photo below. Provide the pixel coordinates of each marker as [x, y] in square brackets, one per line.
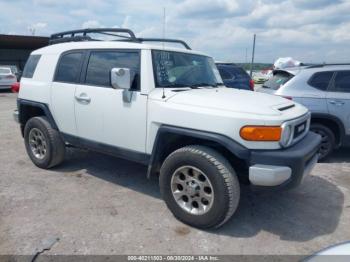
[101, 63]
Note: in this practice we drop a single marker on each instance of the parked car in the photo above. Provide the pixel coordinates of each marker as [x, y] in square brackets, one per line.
[260, 78]
[325, 90]
[165, 108]
[7, 78]
[235, 76]
[14, 70]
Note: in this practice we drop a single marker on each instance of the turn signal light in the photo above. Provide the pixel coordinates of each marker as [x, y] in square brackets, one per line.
[261, 133]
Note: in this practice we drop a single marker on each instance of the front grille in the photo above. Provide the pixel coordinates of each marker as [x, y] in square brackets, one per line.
[299, 129]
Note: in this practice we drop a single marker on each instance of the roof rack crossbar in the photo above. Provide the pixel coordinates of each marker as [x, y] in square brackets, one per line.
[165, 40]
[81, 34]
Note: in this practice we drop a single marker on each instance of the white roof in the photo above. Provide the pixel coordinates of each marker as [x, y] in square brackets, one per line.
[59, 48]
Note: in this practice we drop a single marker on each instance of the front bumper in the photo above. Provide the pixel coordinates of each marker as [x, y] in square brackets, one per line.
[284, 168]
[16, 116]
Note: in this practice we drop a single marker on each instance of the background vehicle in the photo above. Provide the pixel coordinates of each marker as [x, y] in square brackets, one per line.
[7, 78]
[325, 90]
[14, 70]
[235, 76]
[165, 108]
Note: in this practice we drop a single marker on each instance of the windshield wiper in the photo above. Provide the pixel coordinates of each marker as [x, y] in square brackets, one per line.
[202, 84]
[173, 85]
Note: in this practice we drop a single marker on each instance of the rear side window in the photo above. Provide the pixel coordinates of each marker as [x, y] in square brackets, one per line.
[277, 80]
[342, 81]
[321, 80]
[30, 66]
[69, 67]
[101, 63]
[225, 75]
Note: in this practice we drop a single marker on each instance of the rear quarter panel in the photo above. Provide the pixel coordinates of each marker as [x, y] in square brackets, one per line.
[38, 88]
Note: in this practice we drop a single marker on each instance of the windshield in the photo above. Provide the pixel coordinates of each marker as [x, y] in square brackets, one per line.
[277, 80]
[175, 69]
[5, 71]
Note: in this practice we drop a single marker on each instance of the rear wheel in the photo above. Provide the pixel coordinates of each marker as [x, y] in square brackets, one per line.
[327, 142]
[199, 186]
[44, 144]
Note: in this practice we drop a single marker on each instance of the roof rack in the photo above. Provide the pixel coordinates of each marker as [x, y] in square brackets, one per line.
[321, 65]
[165, 40]
[82, 35]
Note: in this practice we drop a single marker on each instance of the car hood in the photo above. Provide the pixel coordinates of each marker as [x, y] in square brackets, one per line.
[229, 99]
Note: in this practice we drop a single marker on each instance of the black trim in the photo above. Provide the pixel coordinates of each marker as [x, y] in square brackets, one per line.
[297, 157]
[127, 154]
[43, 106]
[164, 130]
[334, 119]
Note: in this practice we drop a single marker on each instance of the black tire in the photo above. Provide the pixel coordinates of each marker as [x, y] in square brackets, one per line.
[55, 147]
[222, 177]
[328, 140]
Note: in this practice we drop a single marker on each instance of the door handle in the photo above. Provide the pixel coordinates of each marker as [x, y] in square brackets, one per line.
[83, 98]
[336, 102]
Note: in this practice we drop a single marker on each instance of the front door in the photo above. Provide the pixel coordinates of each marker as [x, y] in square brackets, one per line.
[101, 114]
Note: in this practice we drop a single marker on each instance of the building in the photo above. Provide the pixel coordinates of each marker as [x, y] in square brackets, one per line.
[15, 49]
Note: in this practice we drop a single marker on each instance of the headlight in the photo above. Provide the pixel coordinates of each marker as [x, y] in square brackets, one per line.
[286, 135]
[261, 133]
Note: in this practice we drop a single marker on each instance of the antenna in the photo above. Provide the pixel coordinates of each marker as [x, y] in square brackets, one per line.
[163, 96]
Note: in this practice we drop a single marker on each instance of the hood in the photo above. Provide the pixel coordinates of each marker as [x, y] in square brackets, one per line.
[229, 99]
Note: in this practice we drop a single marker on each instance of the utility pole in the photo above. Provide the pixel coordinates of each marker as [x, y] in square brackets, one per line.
[164, 23]
[246, 55]
[253, 53]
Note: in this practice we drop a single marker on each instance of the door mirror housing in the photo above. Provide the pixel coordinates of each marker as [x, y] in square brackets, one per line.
[121, 78]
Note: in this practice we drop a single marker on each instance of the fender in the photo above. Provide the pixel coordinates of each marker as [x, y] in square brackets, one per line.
[22, 102]
[164, 130]
[334, 119]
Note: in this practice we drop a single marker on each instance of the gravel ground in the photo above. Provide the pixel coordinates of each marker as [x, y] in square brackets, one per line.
[96, 204]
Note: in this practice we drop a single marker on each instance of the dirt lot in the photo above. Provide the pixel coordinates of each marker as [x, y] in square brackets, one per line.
[96, 204]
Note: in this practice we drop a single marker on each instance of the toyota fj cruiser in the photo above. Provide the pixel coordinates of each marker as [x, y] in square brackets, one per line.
[167, 108]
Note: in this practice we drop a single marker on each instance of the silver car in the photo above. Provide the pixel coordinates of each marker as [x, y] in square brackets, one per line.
[7, 78]
[325, 90]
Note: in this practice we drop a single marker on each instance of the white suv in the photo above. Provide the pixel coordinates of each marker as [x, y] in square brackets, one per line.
[166, 108]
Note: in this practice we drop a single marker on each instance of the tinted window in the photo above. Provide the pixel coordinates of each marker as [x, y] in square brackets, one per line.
[225, 75]
[101, 63]
[30, 66]
[321, 80]
[277, 80]
[342, 81]
[69, 67]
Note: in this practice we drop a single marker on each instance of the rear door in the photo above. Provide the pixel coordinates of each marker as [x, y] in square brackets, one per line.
[65, 81]
[315, 98]
[338, 98]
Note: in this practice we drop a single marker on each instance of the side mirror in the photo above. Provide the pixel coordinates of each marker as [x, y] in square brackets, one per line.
[121, 78]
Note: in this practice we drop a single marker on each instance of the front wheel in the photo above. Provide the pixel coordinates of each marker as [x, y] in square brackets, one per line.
[327, 142]
[199, 186]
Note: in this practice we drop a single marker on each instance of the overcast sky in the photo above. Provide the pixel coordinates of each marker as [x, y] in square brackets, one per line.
[308, 30]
